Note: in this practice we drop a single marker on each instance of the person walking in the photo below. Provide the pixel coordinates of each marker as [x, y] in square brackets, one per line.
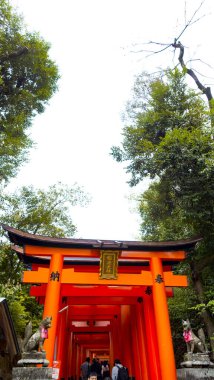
[105, 370]
[119, 371]
[85, 369]
[96, 367]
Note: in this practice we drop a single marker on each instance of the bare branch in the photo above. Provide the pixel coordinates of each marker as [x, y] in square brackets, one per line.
[198, 59]
[198, 19]
[151, 51]
[167, 45]
[202, 75]
[142, 51]
[158, 43]
[159, 51]
[190, 22]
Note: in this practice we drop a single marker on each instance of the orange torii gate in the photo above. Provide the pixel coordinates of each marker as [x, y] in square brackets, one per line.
[105, 297]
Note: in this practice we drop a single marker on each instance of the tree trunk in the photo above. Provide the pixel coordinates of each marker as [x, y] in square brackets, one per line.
[205, 90]
[205, 315]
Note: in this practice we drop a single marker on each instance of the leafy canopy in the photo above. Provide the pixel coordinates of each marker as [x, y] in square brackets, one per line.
[28, 79]
[44, 212]
[171, 142]
[169, 110]
[169, 139]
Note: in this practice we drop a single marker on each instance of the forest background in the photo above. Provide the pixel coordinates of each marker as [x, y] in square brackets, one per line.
[167, 137]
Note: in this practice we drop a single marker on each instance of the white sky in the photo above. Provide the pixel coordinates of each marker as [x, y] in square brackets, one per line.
[92, 43]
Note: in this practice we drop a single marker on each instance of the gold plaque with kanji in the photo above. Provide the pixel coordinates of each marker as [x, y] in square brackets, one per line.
[108, 264]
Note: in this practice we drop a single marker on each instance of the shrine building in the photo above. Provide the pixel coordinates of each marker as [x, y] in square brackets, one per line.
[107, 299]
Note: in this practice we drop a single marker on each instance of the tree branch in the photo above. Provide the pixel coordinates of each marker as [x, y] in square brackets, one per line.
[190, 22]
[203, 263]
[15, 54]
[205, 90]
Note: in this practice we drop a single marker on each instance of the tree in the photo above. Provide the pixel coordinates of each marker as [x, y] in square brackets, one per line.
[36, 211]
[170, 141]
[176, 44]
[44, 212]
[28, 79]
[170, 109]
[163, 218]
[180, 307]
[39, 212]
[23, 308]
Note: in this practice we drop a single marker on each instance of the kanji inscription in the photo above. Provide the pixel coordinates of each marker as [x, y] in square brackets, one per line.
[108, 264]
[54, 276]
[159, 279]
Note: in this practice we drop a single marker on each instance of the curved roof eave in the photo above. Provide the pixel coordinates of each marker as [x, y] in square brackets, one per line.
[22, 238]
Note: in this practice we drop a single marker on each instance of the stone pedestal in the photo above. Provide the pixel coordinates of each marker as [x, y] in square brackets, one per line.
[32, 359]
[198, 360]
[28, 367]
[195, 374]
[29, 373]
[196, 366]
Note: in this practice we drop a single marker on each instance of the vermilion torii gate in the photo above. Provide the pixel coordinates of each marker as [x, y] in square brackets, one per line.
[106, 298]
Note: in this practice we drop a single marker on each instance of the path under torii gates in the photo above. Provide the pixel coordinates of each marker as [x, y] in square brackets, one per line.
[107, 299]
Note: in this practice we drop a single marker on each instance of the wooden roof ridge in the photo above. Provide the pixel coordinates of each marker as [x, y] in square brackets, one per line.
[21, 238]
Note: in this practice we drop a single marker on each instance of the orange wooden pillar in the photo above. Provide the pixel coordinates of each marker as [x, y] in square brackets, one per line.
[142, 342]
[52, 301]
[75, 369]
[62, 349]
[135, 345]
[111, 348]
[114, 340]
[81, 358]
[78, 361]
[164, 338]
[67, 356]
[126, 338]
[151, 336]
[71, 357]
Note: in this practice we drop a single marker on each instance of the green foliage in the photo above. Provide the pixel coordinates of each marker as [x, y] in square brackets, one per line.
[10, 266]
[169, 106]
[199, 308]
[181, 305]
[208, 291]
[36, 211]
[210, 306]
[170, 141]
[162, 218]
[42, 212]
[28, 79]
[22, 307]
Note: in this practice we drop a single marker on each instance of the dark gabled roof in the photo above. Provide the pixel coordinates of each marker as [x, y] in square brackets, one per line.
[7, 329]
[22, 238]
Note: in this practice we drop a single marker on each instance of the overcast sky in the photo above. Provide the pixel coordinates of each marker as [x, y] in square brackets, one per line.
[96, 45]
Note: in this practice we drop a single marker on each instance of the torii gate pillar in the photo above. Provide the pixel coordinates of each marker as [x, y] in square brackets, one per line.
[164, 337]
[52, 301]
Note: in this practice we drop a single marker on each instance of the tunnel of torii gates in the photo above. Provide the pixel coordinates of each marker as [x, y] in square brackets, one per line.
[107, 299]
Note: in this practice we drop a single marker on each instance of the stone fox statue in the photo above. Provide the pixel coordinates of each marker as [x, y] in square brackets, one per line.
[192, 341]
[34, 342]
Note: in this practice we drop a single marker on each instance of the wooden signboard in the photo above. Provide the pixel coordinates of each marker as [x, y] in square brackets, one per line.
[108, 264]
